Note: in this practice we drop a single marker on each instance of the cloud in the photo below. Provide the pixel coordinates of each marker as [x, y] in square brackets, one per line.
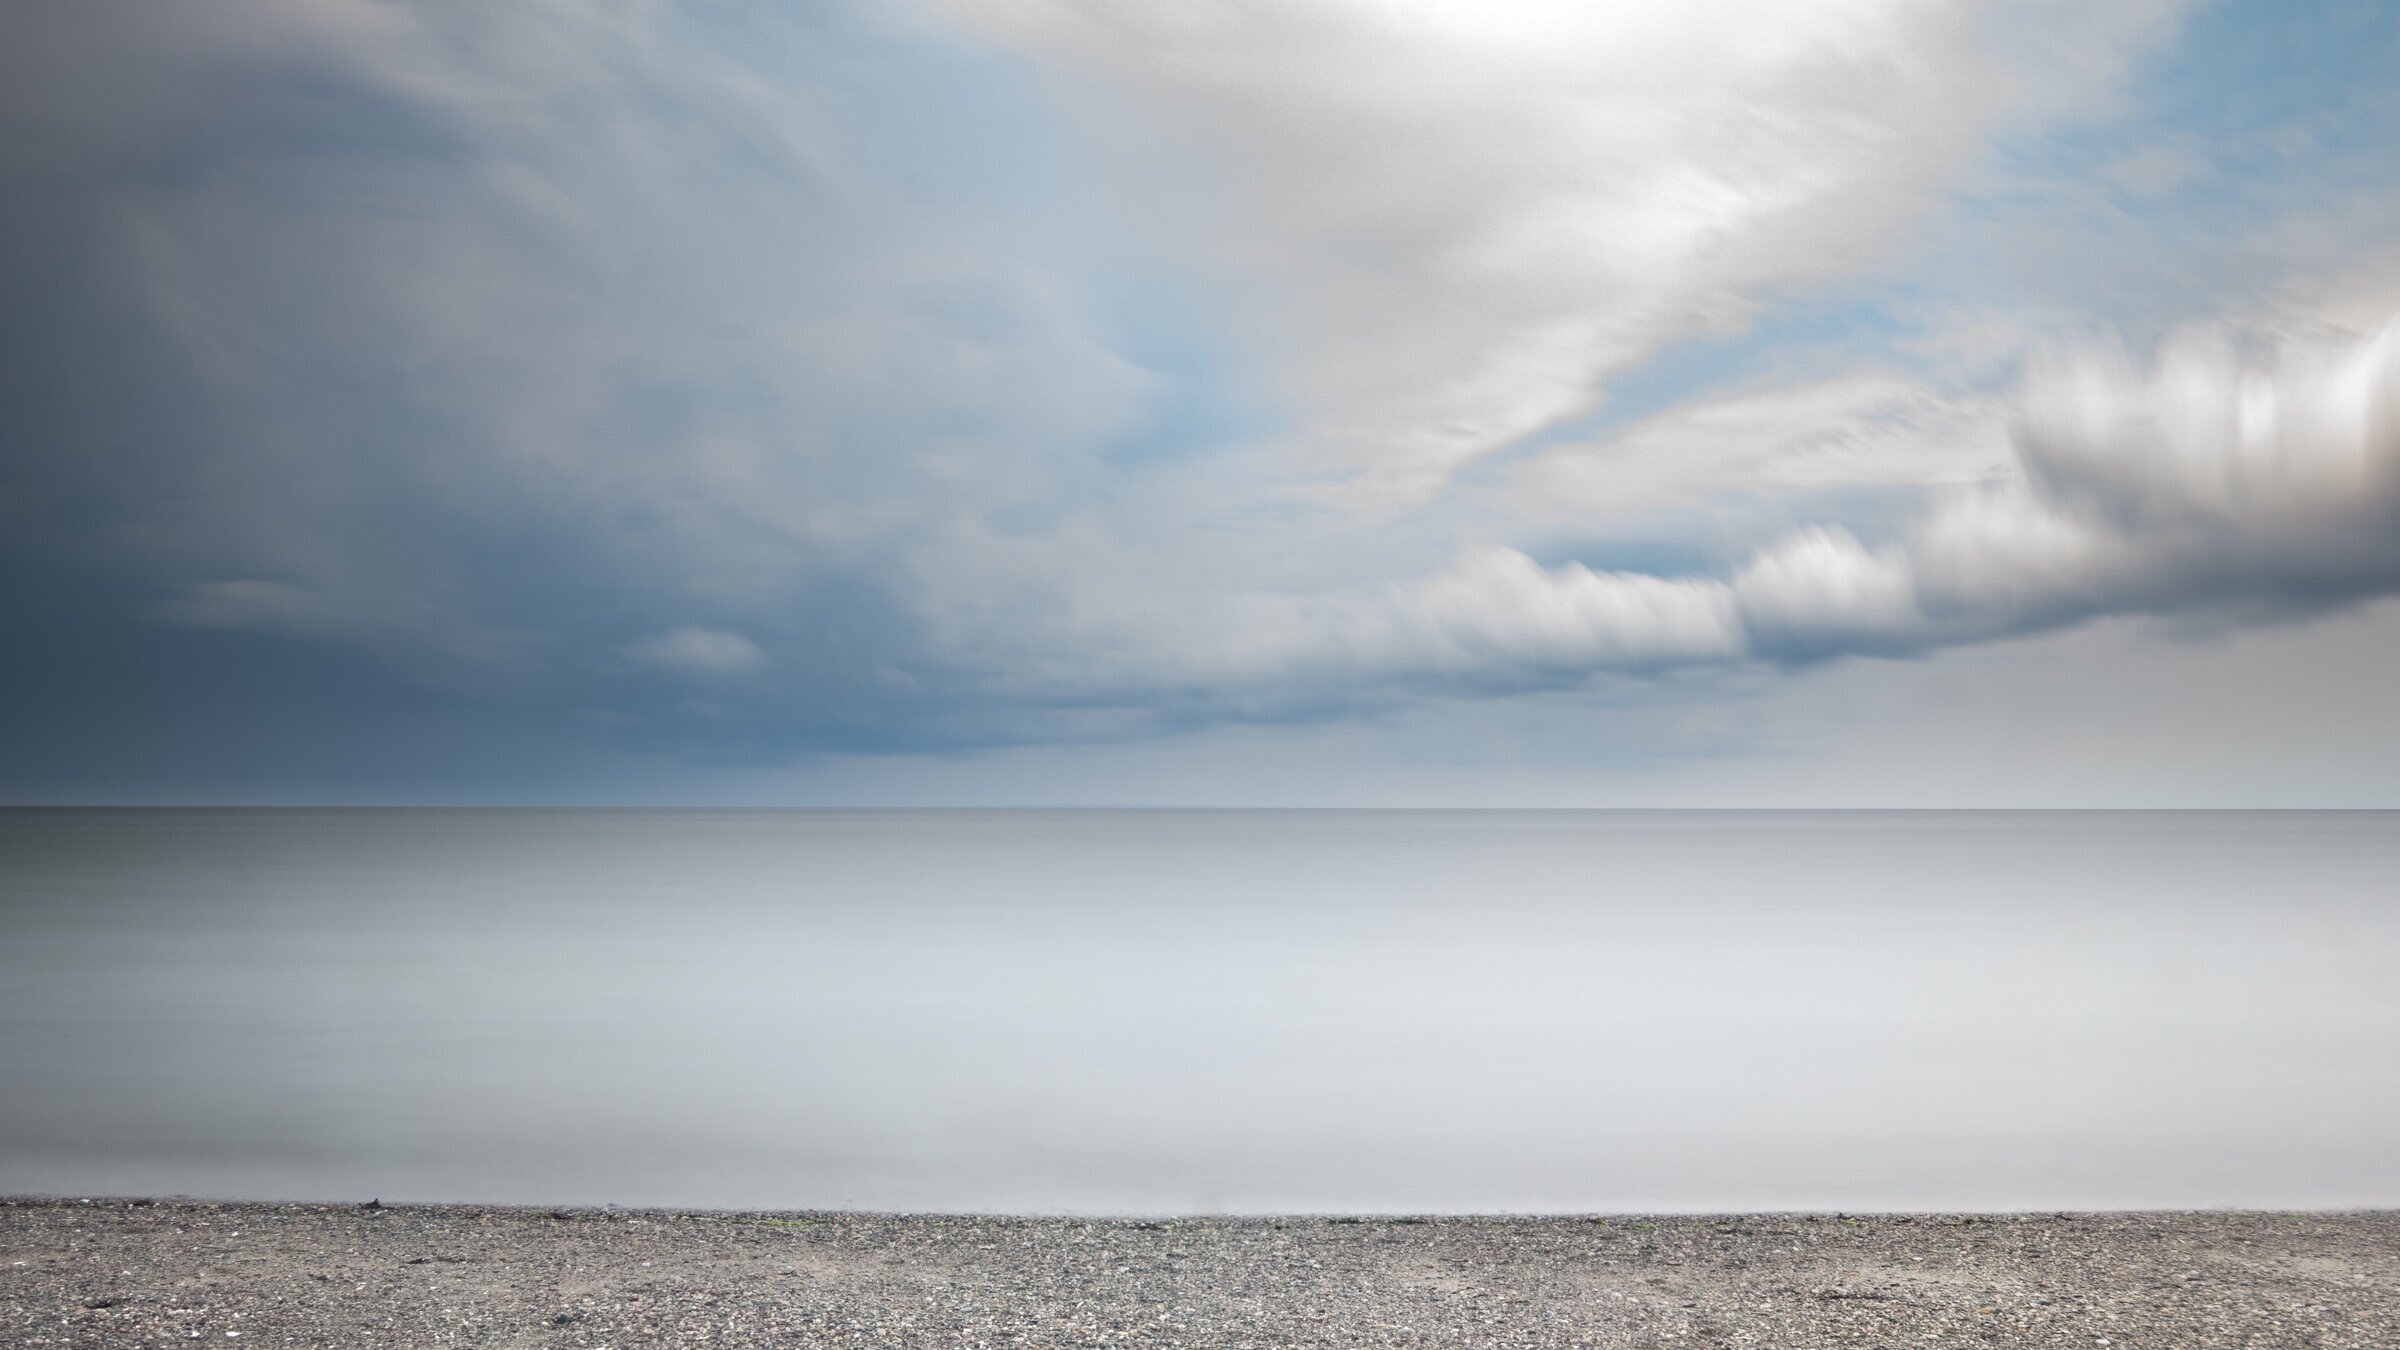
[406, 633]
[1864, 428]
[440, 331]
[699, 651]
[2211, 481]
[467, 342]
[255, 606]
[1472, 216]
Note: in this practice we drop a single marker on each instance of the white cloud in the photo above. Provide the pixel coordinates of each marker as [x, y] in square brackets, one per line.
[2208, 481]
[1822, 588]
[1480, 212]
[2157, 169]
[2300, 444]
[1867, 428]
[699, 651]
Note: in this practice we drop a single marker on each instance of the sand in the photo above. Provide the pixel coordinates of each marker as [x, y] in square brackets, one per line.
[136, 1273]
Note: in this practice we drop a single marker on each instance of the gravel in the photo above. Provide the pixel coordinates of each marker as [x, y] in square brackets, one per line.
[157, 1273]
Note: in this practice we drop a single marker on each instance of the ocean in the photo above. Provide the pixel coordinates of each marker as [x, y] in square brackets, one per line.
[1204, 1011]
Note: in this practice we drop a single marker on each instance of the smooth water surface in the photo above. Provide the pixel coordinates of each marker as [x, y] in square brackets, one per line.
[1169, 1011]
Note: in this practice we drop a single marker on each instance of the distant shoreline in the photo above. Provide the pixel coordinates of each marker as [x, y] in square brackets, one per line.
[131, 1270]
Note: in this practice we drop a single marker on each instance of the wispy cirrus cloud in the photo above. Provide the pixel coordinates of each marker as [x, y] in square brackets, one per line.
[1471, 217]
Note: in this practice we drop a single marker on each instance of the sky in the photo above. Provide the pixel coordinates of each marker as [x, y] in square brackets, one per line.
[1318, 402]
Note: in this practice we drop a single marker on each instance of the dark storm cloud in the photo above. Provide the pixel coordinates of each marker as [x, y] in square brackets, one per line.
[507, 349]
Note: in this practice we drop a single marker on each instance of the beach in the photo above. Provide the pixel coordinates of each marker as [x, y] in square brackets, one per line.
[143, 1272]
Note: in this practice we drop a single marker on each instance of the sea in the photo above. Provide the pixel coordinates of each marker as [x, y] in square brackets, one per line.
[1173, 1012]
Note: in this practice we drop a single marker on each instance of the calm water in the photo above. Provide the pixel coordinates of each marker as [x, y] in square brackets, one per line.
[1167, 1011]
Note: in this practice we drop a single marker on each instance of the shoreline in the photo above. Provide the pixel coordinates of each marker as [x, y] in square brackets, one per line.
[1147, 1218]
[136, 1271]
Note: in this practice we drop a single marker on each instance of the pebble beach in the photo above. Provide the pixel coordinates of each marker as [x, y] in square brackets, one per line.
[138, 1272]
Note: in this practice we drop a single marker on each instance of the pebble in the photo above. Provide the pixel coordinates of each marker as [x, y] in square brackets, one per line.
[120, 1273]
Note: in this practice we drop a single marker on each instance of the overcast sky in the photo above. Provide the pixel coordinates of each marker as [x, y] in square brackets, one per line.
[1516, 402]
